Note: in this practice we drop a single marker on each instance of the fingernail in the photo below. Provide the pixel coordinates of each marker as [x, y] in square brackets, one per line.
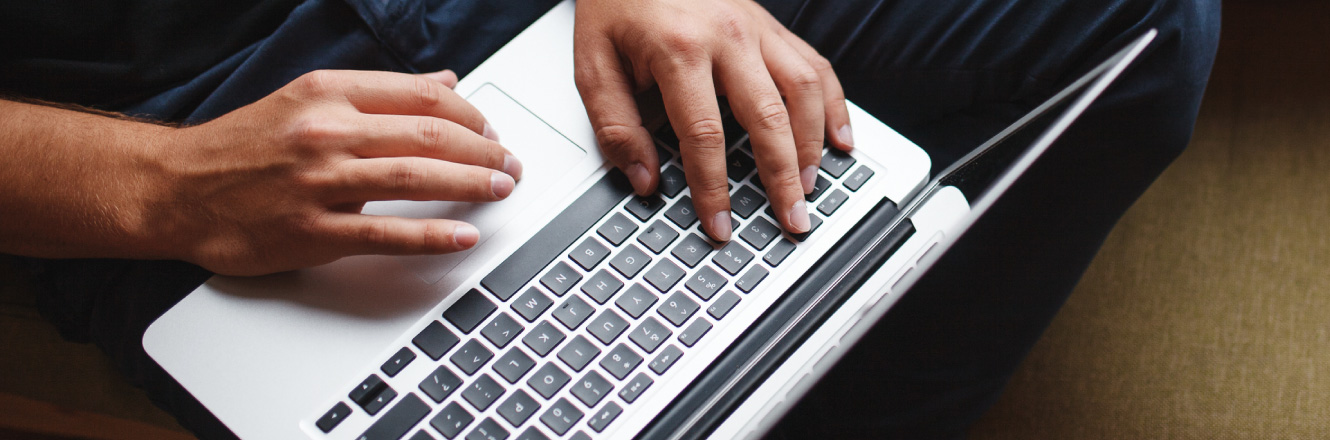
[489, 133]
[466, 235]
[799, 217]
[846, 135]
[809, 178]
[720, 226]
[512, 166]
[639, 177]
[501, 184]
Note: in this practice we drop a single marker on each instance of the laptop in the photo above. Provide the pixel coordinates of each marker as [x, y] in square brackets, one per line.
[585, 311]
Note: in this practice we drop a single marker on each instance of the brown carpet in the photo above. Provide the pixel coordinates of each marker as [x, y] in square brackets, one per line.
[1207, 313]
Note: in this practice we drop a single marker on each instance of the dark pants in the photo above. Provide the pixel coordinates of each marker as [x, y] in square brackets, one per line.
[945, 74]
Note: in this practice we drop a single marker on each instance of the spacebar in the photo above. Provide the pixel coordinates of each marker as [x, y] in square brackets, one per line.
[556, 236]
[399, 420]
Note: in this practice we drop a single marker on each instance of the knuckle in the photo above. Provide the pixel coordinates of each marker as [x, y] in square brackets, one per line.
[785, 179]
[428, 94]
[820, 64]
[375, 232]
[706, 133]
[772, 117]
[431, 132]
[313, 128]
[615, 138]
[806, 80]
[318, 82]
[732, 26]
[685, 46]
[407, 176]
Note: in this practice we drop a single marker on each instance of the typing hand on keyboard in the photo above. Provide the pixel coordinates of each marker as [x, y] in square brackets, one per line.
[695, 50]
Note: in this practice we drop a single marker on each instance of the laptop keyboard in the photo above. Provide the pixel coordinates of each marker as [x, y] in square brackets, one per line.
[565, 335]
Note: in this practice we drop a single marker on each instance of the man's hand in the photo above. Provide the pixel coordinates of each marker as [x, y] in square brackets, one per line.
[695, 50]
[273, 186]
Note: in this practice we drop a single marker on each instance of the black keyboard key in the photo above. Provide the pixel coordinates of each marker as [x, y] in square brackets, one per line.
[369, 388]
[501, 330]
[732, 258]
[665, 359]
[814, 221]
[543, 338]
[435, 340]
[560, 278]
[513, 365]
[633, 389]
[333, 417]
[833, 201]
[636, 300]
[835, 162]
[471, 356]
[531, 304]
[549, 379]
[380, 401]
[667, 136]
[488, 429]
[750, 279]
[759, 233]
[399, 361]
[578, 353]
[440, 384]
[518, 408]
[682, 213]
[469, 311]
[658, 236]
[664, 275]
[692, 250]
[398, 421]
[779, 252]
[820, 186]
[678, 308]
[663, 154]
[452, 420]
[555, 237]
[617, 229]
[672, 181]
[620, 361]
[607, 326]
[561, 416]
[650, 334]
[858, 178]
[723, 305]
[482, 392]
[746, 201]
[602, 286]
[602, 418]
[645, 207]
[739, 165]
[630, 261]
[573, 312]
[591, 389]
[589, 253]
[421, 435]
[532, 433]
[690, 335]
[705, 283]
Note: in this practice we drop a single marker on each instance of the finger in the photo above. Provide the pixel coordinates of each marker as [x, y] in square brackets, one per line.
[446, 77]
[358, 234]
[690, 102]
[401, 94]
[758, 107]
[833, 95]
[424, 136]
[802, 89]
[415, 179]
[608, 95]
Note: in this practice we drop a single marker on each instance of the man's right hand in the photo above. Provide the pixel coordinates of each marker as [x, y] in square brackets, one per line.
[279, 184]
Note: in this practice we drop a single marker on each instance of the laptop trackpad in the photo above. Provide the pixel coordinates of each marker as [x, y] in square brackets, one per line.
[546, 155]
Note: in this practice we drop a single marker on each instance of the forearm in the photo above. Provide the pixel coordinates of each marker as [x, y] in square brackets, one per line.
[76, 184]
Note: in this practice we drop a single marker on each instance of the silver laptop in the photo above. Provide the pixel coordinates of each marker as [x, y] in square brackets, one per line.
[585, 311]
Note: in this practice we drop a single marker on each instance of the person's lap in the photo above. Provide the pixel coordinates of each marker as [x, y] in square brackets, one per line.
[947, 75]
